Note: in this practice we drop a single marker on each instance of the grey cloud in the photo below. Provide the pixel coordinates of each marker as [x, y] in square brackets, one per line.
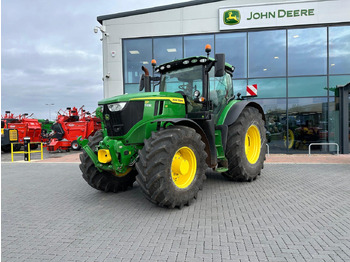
[51, 55]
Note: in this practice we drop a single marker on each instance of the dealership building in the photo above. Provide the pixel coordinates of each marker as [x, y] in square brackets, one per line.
[296, 52]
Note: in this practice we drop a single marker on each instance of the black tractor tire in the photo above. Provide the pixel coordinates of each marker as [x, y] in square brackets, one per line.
[104, 181]
[239, 167]
[75, 146]
[6, 148]
[157, 177]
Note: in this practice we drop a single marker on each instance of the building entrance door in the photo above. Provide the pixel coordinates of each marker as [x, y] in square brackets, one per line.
[344, 108]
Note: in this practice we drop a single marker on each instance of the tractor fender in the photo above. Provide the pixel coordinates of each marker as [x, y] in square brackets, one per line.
[209, 147]
[237, 109]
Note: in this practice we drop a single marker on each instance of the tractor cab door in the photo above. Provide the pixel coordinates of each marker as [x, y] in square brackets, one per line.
[188, 82]
[220, 91]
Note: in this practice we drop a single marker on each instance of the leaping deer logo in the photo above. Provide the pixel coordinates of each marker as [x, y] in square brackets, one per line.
[232, 17]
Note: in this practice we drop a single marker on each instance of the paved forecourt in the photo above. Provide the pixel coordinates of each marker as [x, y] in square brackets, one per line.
[290, 213]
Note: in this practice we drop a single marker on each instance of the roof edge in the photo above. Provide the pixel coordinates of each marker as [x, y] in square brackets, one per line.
[102, 18]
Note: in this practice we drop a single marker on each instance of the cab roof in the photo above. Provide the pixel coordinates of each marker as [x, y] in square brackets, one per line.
[189, 62]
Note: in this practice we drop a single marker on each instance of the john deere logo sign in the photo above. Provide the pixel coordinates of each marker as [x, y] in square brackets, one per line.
[232, 17]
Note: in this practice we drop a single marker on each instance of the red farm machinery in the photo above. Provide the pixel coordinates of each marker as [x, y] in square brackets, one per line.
[71, 124]
[25, 126]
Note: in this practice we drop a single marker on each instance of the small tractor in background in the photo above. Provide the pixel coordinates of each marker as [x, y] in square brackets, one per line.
[25, 126]
[45, 128]
[166, 140]
[71, 124]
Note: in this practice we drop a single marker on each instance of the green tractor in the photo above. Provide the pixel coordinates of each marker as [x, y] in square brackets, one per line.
[166, 140]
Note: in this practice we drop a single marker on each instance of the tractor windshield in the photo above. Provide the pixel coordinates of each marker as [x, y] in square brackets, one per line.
[186, 80]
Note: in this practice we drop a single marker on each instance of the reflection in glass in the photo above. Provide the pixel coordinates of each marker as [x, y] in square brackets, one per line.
[335, 81]
[269, 87]
[307, 51]
[234, 46]
[167, 49]
[131, 88]
[137, 53]
[339, 50]
[195, 45]
[276, 125]
[239, 86]
[334, 119]
[267, 53]
[307, 86]
[307, 120]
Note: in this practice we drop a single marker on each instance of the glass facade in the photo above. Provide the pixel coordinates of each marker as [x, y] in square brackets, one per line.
[297, 72]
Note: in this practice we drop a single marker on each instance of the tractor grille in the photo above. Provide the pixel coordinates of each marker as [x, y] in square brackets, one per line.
[119, 123]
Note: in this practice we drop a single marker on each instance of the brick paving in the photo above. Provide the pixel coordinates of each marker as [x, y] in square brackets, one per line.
[290, 213]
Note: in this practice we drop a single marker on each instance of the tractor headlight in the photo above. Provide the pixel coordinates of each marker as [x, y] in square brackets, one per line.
[116, 106]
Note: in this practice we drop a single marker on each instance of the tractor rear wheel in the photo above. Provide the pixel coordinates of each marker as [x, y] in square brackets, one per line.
[246, 146]
[171, 166]
[104, 181]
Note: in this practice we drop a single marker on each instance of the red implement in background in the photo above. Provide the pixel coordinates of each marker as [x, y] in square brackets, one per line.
[26, 127]
[71, 124]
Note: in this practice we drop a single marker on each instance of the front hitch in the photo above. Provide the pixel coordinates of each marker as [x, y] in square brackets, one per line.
[112, 156]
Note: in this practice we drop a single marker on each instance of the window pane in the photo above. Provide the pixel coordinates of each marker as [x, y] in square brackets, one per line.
[335, 81]
[167, 49]
[307, 51]
[137, 52]
[195, 45]
[240, 86]
[275, 113]
[234, 46]
[269, 87]
[187, 80]
[220, 91]
[132, 88]
[267, 53]
[339, 50]
[307, 86]
[308, 122]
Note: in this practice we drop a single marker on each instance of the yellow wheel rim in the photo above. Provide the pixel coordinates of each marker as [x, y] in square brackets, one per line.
[252, 144]
[125, 173]
[183, 167]
[290, 139]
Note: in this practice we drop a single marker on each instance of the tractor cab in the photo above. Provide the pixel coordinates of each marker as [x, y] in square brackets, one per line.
[204, 82]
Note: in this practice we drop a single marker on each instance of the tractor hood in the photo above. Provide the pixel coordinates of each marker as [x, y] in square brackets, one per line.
[173, 97]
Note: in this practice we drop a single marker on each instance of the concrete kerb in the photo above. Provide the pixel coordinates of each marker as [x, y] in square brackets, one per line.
[271, 159]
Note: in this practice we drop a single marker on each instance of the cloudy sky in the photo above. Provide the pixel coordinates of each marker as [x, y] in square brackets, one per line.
[50, 55]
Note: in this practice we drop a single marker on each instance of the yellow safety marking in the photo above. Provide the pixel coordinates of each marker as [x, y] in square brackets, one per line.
[29, 151]
[172, 99]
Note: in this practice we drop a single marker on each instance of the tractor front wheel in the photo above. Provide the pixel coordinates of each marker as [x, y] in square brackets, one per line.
[103, 181]
[171, 166]
[246, 146]
[75, 145]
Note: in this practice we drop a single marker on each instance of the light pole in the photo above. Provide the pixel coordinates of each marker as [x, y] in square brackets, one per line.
[49, 110]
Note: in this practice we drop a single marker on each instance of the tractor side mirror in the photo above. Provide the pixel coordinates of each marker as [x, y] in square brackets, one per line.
[220, 65]
[145, 83]
[142, 82]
